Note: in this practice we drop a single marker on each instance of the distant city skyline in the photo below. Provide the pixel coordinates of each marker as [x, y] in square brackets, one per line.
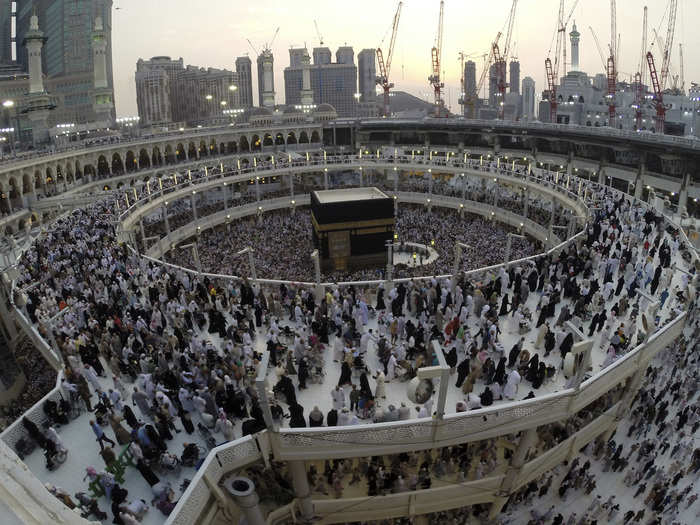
[216, 36]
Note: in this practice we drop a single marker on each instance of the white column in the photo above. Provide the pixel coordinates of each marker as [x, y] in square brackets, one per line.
[302, 491]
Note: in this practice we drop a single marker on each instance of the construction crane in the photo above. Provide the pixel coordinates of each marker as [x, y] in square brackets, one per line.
[670, 31]
[638, 98]
[597, 45]
[682, 86]
[611, 69]
[436, 54]
[552, 71]
[318, 33]
[385, 68]
[641, 68]
[501, 61]
[562, 29]
[660, 118]
[471, 98]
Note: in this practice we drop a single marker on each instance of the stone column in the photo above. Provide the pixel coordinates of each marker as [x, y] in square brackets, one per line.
[165, 218]
[639, 180]
[302, 491]
[682, 194]
[527, 441]
[194, 205]
[527, 202]
[243, 492]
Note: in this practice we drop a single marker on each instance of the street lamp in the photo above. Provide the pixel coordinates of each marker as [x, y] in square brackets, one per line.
[232, 87]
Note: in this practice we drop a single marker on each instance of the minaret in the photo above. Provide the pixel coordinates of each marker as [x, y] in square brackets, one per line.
[268, 100]
[307, 94]
[103, 97]
[575, 36]
[37, 103]
[34, 41]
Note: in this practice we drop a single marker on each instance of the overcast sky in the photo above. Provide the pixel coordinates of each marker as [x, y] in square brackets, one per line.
[213, 33]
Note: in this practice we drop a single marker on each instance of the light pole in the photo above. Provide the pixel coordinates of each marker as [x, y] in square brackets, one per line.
[195, 254]
[315, 257]
[458, 260]
[509, 241]
[251, 262]
[7, 107]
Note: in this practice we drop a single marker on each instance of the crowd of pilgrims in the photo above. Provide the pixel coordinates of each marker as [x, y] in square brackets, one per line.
[147, 326]
[645, 473]
[277, 254]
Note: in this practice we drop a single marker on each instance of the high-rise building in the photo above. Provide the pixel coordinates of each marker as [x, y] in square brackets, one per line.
[5, 32]
[244, 68]
[470, 78]
[322, 56]
[262, 59]
[367, 75]
[529, 98]
[68, 27]
[166, 91]
[493, 85]
[331, 83]
[514, 76]
[154, 79]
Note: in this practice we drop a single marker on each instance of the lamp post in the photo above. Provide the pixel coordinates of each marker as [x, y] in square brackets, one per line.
[315, 257]
[195, 254]
[251, 262]
[7, 106]
[509, 241]
[458, 260]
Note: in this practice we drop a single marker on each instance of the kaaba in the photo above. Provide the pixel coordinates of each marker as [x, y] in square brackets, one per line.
[351, 227]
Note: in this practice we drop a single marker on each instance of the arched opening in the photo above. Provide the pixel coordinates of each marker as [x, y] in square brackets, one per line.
[102, 166]
[130, 162]
[245, 163]
[146, 160]
[178, 155]
[4, 200]
[303, 138]
[14, 195]
[244, 146]
[69, 174]
[192, 151]
[256, 143]
[279, 140]
[222, 149]
[291, 138]
[78, 171]
[267, 140]
[315, 137]
[156, 157]
[38, 180]
[169, 156]
[203, 149]
[232, 147]
[60, 179]
[213, 149]
[27, 184]
[117, 164]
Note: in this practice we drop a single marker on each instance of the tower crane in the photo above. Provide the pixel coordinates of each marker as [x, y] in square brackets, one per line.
[318, 33]
[385, 68]
[597, 45]
[471, 98]
[501, 61]
[670, 32]
[660, 118]
[641, 68]
[436, 54]
[682, 87]
[552, 70]
[611, 68]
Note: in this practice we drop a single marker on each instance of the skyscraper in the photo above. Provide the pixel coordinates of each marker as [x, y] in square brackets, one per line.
[367, 72]
[529, 98]
[262, 58]
[5, 32]
[331, 83]
[493, 85]
[514, 76]
[244, 68]
[155, 82]
[470, 78]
